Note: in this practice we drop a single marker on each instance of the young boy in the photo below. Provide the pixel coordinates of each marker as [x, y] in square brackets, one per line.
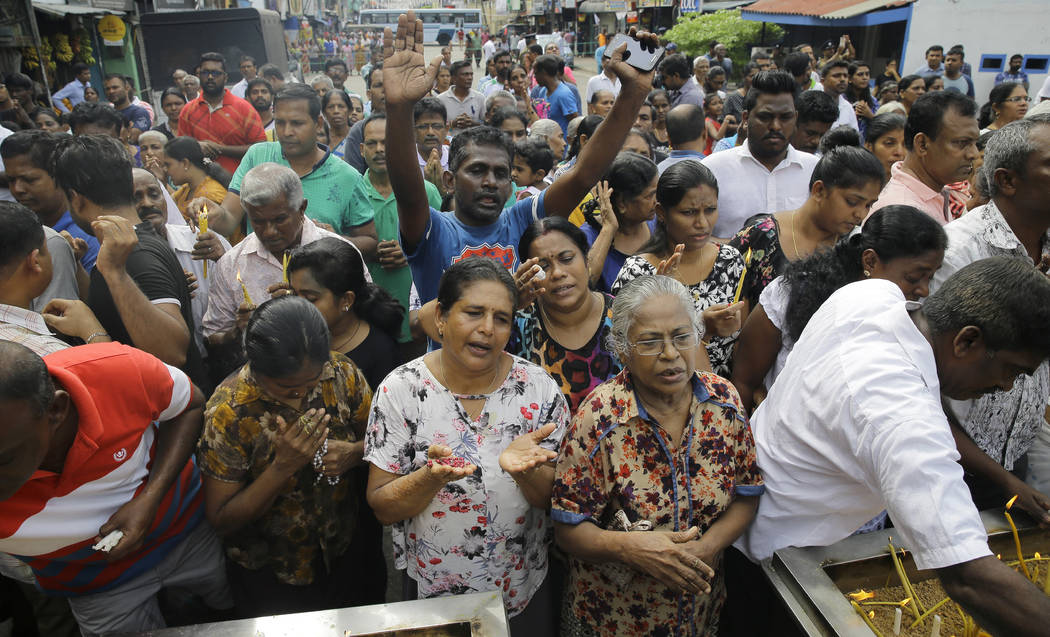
[533, 160]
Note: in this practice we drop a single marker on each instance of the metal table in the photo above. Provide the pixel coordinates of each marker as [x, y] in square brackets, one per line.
[474, 615]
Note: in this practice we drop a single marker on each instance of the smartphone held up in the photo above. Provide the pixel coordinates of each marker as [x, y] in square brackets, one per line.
[640, 55]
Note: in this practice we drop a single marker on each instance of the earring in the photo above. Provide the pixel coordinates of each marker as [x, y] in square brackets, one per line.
[867, 274]
[346, 308]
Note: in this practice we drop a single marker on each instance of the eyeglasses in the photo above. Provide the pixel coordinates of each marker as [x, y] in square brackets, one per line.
[655, 347]
[1017, 99]
[211, 73]
[432, 126]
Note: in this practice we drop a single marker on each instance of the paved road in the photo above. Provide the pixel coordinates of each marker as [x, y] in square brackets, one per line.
[585, 69]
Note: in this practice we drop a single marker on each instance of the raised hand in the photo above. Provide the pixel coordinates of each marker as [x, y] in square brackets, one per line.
[669, 266]
[724, 319]
[525, 452]
[443, 473]
[604, 195]
[118, 240]
[529, 286]
[406, 77]
[630, 76]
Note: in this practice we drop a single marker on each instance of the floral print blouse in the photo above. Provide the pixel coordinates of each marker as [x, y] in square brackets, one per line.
[480, 533]
[617, 457]
[718, 288]
[578, 371]
[309, 515]
[761, 235]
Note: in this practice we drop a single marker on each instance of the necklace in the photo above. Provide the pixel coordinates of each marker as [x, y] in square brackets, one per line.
[793, 233]
[350, 338]
[444, 377]
[547, 319]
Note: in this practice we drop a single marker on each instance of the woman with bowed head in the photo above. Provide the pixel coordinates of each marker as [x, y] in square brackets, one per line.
[885, 139]
[460, 443]
[281, 435]
[184, 164]
[681, 247]
[656, 477]
[844, 185]
[336, 107]
[627, 211]
[897, 243]
[1007, 102]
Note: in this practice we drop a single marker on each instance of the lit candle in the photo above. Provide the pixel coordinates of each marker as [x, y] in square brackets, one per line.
[897, 614]
[935, 631]
[743, 274]
[244, 288]
[202, 224]
[1017, 537]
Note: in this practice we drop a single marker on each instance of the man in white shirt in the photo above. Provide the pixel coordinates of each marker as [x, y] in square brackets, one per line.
[765, 174]
[465, 106]
[488, 50]
[248, 73]
[604, 81]
[999, 434]
[834, 81]
[854, 425]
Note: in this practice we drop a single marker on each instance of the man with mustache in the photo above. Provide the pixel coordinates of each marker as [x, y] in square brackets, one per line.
[834, 81]
[259, 94]
[941, 139]
[431, 128]
[479, 168]
[765, 174]
[223, 123]
[390, 269]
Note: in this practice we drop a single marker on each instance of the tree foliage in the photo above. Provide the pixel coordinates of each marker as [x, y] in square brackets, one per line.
[694, 32]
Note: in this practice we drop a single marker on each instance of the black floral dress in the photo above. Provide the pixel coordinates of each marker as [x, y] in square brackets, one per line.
[761, 235]
[718, 288]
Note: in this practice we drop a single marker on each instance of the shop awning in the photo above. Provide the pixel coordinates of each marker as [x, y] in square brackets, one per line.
[827, 9]
[61, 10]
[711, 7]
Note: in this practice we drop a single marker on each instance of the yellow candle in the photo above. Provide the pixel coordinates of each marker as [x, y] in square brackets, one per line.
[285, 266]
[1017, 537]
[202, 224]
[743, 275]
[244, 288]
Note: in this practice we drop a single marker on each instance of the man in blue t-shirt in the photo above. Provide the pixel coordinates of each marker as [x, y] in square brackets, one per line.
[136, 116]
[479, 170]
[563, 104]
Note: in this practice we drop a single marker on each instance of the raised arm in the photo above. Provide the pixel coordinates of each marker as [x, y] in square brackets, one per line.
[406, 80]
[567, 192]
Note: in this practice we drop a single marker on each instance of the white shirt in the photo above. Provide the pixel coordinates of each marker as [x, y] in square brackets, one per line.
[487, 51]
[423, 160]
[847, 116]
[182, 238]
[774, 301]
[5, 193]
[259, 269]
[240, 88]
[1003, 424]
[746, 187]
[1044, 91]
[853, 426]
[601, 82]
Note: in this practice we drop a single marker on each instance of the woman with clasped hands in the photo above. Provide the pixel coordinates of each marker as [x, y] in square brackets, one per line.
[461, 443]
[656, 477]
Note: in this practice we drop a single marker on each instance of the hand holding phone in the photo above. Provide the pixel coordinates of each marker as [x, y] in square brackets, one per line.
[641, 56]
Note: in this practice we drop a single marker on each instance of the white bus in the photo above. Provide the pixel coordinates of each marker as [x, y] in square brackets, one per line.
[439, 25]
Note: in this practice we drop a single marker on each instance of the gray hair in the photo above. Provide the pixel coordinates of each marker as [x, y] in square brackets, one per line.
[491, 99]
[1010, 147]
[633, 296]
[267, 182]
[191, 77]
[153, 133]
[544, 128]
[323, 79]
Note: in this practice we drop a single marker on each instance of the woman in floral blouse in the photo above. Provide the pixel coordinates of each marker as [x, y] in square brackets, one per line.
[461, 442]
[280, 437]
[681, 247]
[656, 477]
[844, 185]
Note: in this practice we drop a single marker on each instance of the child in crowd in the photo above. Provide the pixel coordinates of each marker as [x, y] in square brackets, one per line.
[533, 159]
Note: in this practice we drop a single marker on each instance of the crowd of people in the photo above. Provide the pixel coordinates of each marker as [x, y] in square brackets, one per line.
[603, 361]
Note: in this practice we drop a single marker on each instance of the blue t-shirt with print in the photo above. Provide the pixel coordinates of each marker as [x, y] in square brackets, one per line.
[448, 240]
[562, 104]
[138, 116]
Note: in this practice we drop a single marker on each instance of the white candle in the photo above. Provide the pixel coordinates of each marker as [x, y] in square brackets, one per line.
[897, 621]
[936, 630]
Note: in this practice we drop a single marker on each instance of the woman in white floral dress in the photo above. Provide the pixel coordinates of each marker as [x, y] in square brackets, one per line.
[461, 443]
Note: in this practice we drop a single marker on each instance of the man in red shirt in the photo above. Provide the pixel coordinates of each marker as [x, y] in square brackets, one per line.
[223, 123]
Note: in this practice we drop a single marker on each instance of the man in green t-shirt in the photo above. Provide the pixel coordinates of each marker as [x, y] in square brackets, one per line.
[390, 270]
[334, 191]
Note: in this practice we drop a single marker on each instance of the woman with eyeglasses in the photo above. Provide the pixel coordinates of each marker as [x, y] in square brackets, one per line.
[655, 479]
[1007, 102]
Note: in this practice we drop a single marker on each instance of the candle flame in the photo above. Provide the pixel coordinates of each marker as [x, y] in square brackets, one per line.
[861, 595]
[239, 279]
[1010, 503]
[871, 614]
[1038, 556]
[904, 602]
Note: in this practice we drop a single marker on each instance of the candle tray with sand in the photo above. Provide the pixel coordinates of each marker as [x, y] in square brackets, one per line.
[814, 583]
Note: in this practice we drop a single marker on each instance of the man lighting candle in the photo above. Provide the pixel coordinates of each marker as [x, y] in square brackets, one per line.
[871, 433]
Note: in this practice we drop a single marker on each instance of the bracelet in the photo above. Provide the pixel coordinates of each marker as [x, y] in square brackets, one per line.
[95, 335]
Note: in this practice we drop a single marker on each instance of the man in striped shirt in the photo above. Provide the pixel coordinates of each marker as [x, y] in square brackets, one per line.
[223, 123]
[98, 439]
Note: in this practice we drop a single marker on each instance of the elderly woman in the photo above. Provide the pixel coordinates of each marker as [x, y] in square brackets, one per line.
[460, 442]
[280, 438]
[656, 478]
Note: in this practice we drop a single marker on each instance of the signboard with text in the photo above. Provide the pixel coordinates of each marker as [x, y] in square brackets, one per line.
[692, 6]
